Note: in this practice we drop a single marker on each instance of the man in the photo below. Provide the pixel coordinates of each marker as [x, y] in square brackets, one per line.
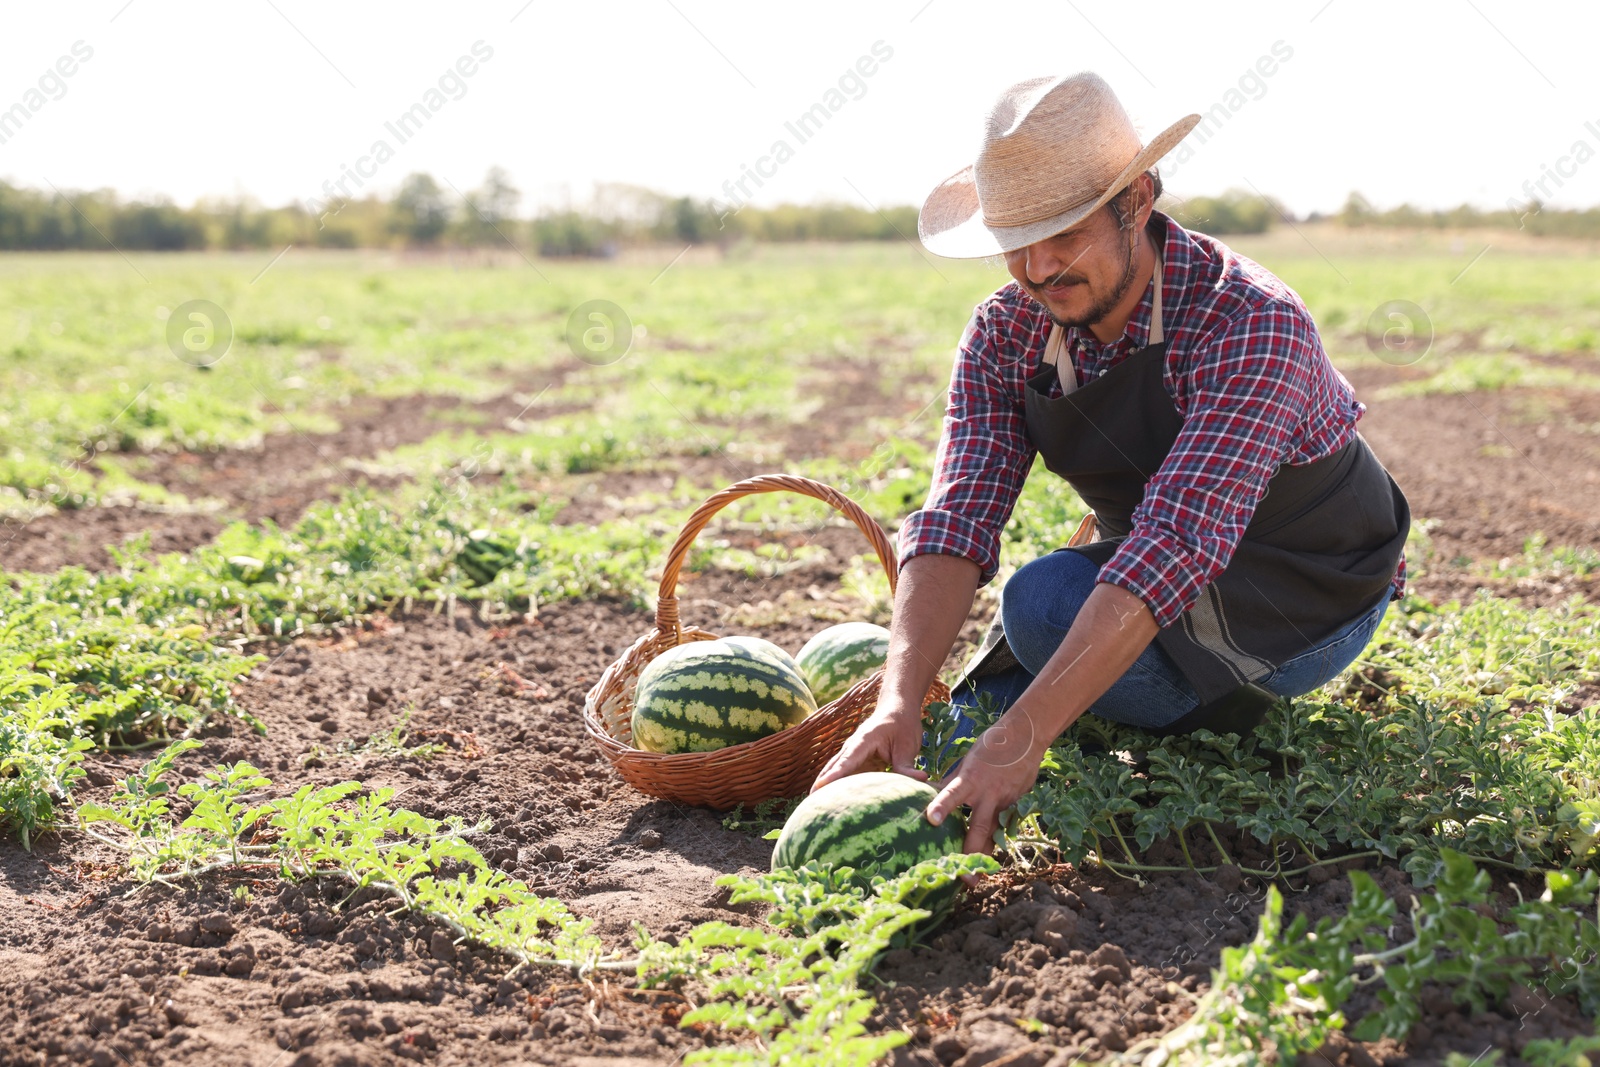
[1249, 540]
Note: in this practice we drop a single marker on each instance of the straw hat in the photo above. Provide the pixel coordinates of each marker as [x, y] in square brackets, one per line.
[1055, 151]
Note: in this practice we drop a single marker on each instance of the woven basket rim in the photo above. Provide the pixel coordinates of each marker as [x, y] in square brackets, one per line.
[785, 751]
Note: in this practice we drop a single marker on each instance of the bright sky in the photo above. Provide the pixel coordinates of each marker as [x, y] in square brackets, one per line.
[1428, 101]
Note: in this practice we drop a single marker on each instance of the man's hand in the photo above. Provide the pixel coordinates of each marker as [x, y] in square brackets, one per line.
[1001, 766]
[890, 737]
[1111, 629]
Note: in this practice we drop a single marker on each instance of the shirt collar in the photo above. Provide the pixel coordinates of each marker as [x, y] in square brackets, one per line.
[1175, 256]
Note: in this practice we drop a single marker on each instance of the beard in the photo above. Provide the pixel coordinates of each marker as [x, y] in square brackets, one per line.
[1103, 303]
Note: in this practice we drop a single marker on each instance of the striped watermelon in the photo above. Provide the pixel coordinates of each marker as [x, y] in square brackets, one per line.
[840, 656]
[706, 695]
[874, 823]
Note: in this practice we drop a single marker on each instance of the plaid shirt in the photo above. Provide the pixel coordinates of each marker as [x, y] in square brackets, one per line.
[1246, 371]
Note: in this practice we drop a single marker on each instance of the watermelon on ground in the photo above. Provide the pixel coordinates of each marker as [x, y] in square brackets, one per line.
[874, 823]
[706, 695]
[484, 556]
[840, 656]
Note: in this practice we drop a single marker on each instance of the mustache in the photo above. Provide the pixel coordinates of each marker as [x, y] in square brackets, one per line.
[1063, 277]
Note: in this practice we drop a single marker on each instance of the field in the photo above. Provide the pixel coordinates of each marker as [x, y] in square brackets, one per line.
[292, 769]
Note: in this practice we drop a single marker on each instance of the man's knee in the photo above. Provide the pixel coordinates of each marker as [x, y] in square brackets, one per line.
[1040, 601]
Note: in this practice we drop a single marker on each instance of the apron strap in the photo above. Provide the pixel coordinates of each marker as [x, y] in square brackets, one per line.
[1156, 336]
[1054, 352]
[1055, 348]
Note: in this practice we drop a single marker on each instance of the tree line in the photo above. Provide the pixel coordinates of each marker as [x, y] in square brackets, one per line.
[1530, 216]
[424, 214]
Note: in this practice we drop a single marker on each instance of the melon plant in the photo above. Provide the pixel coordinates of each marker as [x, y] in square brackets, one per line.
[706, 695]
[840, 656]
[874, 823]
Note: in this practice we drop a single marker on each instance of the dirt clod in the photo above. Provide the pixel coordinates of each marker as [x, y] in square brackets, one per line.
[1112, 956]
[948, 1048]
[217, 923]
[1227, 878]
[1055, 928]
[441, 946]
[984, 947]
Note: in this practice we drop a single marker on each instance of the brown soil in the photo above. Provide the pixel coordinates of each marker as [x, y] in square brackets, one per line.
[1489, 470]
[310, 974]
[80, 537]
[315, 975]
[276, 481]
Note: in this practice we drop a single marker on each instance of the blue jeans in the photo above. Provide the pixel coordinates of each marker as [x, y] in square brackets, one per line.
[1039, 603]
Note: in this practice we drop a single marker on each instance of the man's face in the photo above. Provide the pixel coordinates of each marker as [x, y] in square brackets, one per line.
[1080, 275]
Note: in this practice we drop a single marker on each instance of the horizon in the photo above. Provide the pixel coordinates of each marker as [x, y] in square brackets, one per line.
[252, 202]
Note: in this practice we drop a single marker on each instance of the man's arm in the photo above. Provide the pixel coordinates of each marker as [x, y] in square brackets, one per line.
[931, 603]
[984, 450]
[952, 545]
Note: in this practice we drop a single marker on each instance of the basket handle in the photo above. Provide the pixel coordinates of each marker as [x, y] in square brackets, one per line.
[667, 602]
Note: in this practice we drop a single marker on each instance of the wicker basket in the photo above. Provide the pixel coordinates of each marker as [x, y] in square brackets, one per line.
[783, 764]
